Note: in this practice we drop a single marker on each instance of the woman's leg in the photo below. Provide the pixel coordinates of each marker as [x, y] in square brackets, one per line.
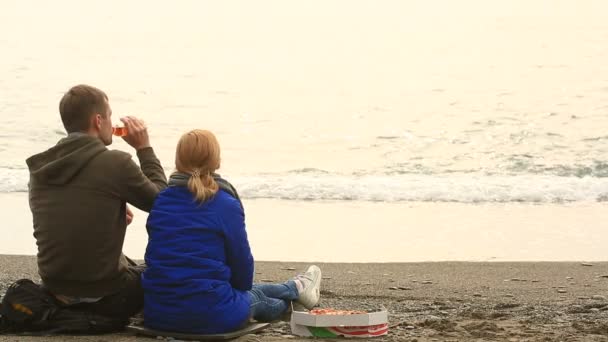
[287, 290]
[270, 301]
[264, 308]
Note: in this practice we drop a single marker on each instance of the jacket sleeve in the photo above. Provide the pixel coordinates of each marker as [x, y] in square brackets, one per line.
[143, 183]
[238, 252]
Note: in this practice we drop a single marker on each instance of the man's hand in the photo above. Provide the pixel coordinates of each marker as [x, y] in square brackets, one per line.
[137, 132]
[129, 216]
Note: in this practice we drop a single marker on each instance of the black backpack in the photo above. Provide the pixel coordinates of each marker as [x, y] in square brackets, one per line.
[31, 309]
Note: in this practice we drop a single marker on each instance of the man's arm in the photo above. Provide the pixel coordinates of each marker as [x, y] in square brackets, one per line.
[150, 165]
[143, 184]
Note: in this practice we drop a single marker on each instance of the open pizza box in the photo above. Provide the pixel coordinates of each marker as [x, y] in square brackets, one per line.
[325, 323]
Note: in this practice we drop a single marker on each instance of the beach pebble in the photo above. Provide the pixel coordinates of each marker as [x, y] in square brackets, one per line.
[393, 288]
[594, 310]
[427, 282]
[586, 264]
[509, 295]
[517, 279]
[404, 288]
[561, 291]
[598, 297]
[535, 280]
[476, 294]
[289, 269]
[577, 309]
[410, 327]
[569, 278]
[350, 272]
[502, 306]
[583, 297]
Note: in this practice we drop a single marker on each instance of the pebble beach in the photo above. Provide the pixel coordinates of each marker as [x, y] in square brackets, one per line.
[431, 301]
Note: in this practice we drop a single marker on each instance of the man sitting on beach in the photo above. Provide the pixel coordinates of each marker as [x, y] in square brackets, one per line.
[78, 193]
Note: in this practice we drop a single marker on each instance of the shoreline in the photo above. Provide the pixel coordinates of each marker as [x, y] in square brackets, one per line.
[344, 231]
[436, 301]
[383, 263]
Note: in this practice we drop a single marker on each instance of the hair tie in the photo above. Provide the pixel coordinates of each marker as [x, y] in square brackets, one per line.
[196, 173]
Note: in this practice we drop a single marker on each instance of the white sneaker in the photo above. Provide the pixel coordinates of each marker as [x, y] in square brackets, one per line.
[309, 287]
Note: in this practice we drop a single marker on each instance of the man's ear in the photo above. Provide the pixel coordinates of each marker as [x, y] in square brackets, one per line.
[97, 121]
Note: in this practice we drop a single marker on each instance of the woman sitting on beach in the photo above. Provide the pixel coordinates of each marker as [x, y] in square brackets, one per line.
[199, 276]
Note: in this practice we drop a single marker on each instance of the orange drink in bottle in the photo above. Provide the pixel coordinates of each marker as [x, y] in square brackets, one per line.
[119, 131]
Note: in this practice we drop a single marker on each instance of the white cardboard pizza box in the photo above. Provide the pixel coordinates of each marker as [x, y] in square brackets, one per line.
[369, 324]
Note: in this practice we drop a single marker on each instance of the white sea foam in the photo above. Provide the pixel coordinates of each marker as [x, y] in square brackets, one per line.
[463, 188]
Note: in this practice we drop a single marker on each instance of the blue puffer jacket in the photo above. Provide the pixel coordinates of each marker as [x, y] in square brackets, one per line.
[199, 264]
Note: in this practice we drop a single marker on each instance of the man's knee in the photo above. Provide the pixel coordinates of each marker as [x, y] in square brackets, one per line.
[128, 301]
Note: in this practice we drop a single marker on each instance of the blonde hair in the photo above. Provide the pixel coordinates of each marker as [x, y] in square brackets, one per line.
[198, 153]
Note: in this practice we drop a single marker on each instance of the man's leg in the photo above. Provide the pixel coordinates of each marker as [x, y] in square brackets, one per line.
[126, 302]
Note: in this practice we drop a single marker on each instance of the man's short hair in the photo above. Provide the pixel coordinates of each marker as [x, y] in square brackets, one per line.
[79, 104]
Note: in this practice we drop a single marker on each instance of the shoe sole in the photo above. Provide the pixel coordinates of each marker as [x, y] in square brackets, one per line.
[314, 290]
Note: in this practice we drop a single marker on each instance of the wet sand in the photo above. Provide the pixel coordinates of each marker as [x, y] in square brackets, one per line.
[436, 301]
[344, 231]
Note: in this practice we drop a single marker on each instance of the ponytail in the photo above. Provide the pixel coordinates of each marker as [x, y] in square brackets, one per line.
[202, 186]
[198, 153]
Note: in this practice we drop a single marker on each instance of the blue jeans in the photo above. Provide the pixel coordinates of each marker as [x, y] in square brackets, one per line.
[270, 301]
